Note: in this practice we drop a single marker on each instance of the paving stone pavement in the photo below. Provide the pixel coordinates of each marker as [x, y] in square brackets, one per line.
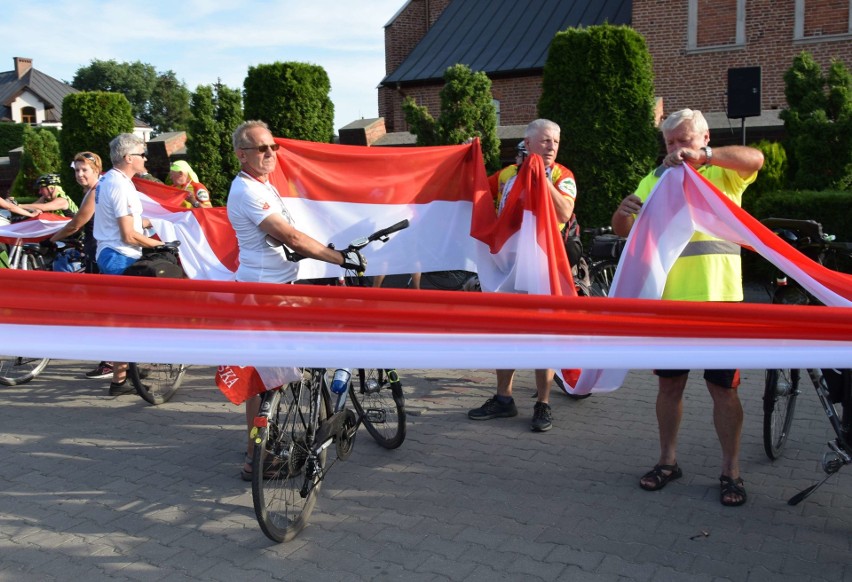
[99, 488]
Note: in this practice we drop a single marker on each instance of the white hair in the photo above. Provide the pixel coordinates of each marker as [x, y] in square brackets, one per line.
[540, 125]
[692, 116]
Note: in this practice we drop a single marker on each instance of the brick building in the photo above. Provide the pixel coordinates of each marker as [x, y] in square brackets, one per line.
[693, 44]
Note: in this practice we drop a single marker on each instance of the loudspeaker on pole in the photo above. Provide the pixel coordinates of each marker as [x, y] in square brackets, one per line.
[743, 92]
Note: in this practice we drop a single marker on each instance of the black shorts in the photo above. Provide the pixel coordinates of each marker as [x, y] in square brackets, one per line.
[723, 378]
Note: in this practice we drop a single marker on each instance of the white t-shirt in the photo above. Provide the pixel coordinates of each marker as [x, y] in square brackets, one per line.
[116, 196]
[250, 202]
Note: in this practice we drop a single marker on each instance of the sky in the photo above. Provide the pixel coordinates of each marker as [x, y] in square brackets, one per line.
[203, 41]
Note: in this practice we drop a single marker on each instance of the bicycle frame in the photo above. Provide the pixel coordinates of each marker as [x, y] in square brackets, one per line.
[293, 431]
[808, 237]
[841, 426]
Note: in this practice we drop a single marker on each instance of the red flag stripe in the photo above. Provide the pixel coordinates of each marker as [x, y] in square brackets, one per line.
[104, 301]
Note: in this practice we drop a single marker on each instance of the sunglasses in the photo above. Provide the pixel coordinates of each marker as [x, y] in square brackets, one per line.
[264, 148]
[142, 155]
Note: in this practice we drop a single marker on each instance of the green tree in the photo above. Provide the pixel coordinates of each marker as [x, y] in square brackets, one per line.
[203, 141]
[159, 100]
[90, 120]
[41, 156]
[467, 110]
[229, 114]
[11, 136]
[169, 104]
[292, 98]
[216, 113]
[605, 107]
[818, 122]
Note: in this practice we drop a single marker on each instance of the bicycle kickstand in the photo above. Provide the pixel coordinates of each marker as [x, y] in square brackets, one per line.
[832, 462]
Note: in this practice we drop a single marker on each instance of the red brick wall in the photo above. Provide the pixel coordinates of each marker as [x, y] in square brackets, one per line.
[411, 25]
[827, 17]
[699, 79]
[401, 36]
[518, 99]
[718, 22]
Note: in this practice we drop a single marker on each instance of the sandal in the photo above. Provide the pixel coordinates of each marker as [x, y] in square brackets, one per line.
[730, 488]
[660, 479]
[270, 468]
[246, 473]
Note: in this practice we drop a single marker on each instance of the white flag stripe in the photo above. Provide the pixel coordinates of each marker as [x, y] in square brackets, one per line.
[32, 229]
[409, 350]
[436, 239]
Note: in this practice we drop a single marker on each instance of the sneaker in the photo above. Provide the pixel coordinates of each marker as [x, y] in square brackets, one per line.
[493, 408]
[542, 419]
[104, 370]
[120, 388]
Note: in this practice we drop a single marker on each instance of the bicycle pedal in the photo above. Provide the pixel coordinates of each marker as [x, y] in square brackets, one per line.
[375, 415]
[832, 462]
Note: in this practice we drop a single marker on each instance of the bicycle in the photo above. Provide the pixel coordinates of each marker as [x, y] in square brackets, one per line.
[296, 426]
[596, 268]
[154, 382]
[17, 370]
[833, 387]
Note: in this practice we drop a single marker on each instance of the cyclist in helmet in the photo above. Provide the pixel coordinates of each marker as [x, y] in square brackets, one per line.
[52, 198]
[522, 152]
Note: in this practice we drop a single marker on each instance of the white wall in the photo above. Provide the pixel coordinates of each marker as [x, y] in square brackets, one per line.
[27, 99]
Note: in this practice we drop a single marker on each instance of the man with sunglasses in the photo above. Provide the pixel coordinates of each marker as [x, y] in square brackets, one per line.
[118, 223]
[118, 209]
[256, 210]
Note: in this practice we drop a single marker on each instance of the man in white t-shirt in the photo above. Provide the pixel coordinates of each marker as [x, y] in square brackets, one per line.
[118, 223]
[118, 209]
[256, 210]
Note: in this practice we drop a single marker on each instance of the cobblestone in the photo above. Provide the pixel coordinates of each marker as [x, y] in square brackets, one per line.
[103, 488]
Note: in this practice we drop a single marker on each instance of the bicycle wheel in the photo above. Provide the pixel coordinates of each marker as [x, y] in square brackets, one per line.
[15, 370]
[156, 383]
[601, 276]
[448, 280]
[779, 403]
[286, 477]
[380, 403]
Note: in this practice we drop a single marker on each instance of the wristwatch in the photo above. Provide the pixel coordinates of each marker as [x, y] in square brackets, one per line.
[708, 154]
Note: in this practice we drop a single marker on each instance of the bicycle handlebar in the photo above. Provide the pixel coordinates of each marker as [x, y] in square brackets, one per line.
[357, 244]
[381, 235]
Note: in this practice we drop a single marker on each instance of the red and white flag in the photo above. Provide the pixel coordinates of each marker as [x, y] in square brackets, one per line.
[32, 229]
[339, 193]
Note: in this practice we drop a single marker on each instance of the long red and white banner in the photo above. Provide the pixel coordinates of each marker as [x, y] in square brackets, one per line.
[338, 193]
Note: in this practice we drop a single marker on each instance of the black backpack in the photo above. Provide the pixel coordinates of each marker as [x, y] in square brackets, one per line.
[571, 238]
[156, 264]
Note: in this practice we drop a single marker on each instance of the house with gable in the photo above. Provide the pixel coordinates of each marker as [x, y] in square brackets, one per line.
[28, 95]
